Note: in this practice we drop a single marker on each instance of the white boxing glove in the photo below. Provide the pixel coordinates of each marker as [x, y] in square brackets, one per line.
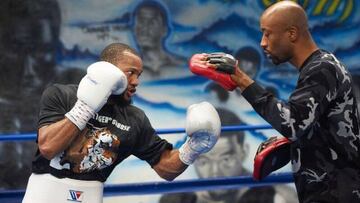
[102, 80]
[203, 128]
[109, 75]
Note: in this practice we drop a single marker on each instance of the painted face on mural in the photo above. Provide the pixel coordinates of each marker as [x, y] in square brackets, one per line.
[226, 159]
[39, 63]
[150, 27]
[30, 57]
[249, 60]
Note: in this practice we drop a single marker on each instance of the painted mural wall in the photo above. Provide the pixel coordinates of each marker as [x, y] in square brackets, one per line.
[45, 42]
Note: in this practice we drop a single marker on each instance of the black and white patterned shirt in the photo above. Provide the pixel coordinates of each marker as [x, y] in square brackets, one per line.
[322, 120]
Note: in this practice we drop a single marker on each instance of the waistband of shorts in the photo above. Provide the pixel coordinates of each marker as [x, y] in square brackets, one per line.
[69, 181]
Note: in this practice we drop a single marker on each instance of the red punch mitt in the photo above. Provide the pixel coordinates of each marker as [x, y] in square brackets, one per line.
[215, 66]
[271, 155]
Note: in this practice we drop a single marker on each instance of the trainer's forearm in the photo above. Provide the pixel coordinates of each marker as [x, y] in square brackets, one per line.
[55, 138]
[241, 79]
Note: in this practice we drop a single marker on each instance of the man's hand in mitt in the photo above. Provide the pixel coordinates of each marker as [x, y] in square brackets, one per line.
[215, 66]
[271, 155]
[225, 63]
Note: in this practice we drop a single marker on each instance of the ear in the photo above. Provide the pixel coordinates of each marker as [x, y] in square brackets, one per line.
[293, 33]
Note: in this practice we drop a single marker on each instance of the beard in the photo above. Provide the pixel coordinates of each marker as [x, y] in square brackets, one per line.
[277, 60]
[119, 100]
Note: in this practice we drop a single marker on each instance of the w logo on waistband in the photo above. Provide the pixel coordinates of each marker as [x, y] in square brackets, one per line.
[76, 196]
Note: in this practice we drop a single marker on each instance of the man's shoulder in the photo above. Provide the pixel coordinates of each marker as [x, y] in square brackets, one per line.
[324, 62]
[326, 59]
[69, 89]
[66, 87]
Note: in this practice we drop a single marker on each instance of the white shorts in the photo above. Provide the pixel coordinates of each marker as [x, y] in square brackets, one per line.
[45, 188]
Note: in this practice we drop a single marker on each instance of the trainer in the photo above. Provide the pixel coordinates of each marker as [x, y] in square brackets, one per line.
[320, 118]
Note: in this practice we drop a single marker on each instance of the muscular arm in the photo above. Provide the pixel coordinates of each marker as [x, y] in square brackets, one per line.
[170, 166]
[56, 137]
[202, 128]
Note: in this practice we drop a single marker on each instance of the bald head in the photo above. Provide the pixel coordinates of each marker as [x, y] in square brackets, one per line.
[287, 14]
[286, 37]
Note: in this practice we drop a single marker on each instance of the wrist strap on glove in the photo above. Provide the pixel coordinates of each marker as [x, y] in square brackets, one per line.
[186, 154]
[80, 114]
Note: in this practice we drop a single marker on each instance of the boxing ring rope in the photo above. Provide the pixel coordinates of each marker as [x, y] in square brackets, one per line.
[32, 136]
[173, 186]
